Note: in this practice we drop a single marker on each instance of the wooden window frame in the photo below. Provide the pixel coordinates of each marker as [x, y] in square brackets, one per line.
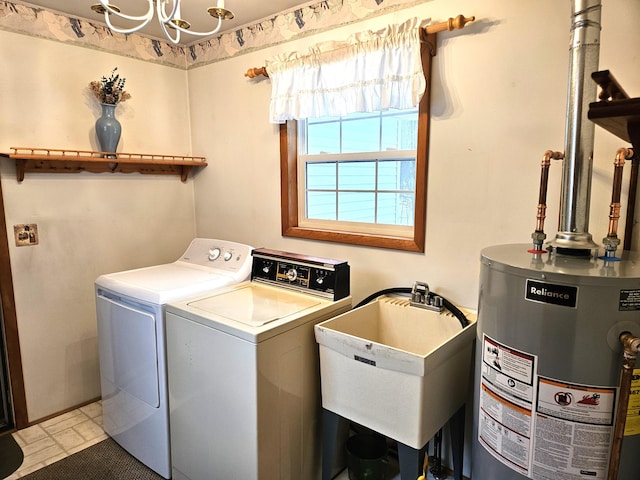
[289, 179]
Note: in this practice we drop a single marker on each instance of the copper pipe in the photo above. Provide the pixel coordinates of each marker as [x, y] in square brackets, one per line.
[631, 346]
[611, 241]
[538, 235]
[451, 24]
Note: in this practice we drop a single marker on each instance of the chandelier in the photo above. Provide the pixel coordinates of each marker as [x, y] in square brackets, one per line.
[171, 20]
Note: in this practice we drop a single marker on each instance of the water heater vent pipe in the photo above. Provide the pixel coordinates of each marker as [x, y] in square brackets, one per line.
[579, 133]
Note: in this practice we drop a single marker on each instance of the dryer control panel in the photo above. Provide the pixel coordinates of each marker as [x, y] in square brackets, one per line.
[319, 276]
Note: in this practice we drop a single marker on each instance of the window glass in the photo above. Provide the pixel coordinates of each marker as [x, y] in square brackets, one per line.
[356, 207]
[397, 175]
[323, 137]
[321, 205]
[399, 131]
[321, 176]
[357, 175]
[395, 208]
[361, 135]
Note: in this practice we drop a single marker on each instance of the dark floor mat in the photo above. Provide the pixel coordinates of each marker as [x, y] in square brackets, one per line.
[10, 455]
[103, 461]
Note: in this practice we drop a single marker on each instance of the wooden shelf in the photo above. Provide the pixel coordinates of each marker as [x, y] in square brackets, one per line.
[615, 112]
[47, 160]
[620, 117]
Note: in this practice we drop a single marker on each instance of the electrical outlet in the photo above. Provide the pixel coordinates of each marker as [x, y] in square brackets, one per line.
[26, 234]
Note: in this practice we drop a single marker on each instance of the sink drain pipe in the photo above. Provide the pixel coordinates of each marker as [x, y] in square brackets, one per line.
[406, 290]
[631, 346]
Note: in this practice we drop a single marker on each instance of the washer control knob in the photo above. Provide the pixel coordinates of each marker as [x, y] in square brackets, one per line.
[214, 253]
[292, 274]
[228, 256]
[319, 280]
[266, 268]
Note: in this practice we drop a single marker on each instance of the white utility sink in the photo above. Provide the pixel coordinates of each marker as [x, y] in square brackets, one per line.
[400, 370]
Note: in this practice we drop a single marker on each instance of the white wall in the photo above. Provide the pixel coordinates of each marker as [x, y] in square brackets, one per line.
[498, 103]
[89, 224]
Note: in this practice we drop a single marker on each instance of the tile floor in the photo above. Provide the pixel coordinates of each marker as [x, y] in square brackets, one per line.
[59, 437]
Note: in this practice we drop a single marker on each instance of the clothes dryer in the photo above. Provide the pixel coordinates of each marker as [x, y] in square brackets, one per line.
[131, 335]
[243, 370]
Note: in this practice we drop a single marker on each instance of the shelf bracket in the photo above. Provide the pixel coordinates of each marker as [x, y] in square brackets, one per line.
[20, 169]
[185, 173]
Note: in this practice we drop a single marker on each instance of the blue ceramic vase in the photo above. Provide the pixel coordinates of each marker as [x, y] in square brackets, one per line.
[108, 130]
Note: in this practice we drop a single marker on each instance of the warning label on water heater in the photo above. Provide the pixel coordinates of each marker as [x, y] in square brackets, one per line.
[632, 425]
[629, 300]
[574, 427]
[505, 424]
[541, 427]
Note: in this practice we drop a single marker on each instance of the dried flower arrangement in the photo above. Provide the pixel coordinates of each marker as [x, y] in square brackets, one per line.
[110, 89]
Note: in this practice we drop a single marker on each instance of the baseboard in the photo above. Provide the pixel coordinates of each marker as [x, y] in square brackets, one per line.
[62, 412]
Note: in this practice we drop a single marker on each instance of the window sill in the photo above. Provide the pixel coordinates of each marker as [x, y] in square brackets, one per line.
[362, 239]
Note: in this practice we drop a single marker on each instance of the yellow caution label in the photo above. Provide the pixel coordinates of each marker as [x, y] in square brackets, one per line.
[632, 425]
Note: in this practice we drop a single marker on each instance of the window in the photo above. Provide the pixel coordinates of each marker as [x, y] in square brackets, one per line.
[360, 168]
[358, 179]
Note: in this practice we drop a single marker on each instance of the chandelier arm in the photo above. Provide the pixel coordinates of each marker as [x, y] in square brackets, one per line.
[146, 17]
[127, 30]
[162, 16]
[175, 40]
[200, 34]
[166, 21]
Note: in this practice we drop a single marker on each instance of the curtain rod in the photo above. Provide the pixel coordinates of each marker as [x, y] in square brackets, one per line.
[453, 23]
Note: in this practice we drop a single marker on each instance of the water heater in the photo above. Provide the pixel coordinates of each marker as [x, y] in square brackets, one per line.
[557, 394]
[548, 361]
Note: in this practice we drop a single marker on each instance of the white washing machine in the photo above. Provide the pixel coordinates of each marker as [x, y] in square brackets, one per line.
[131, 335]
[243, 369]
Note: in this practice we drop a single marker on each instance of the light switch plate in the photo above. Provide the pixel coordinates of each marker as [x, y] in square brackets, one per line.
[26, 234]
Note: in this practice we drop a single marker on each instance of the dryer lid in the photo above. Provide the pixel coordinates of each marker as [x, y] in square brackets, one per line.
[164, 283]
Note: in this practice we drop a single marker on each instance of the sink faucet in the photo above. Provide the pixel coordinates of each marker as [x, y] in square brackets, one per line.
[420, 297]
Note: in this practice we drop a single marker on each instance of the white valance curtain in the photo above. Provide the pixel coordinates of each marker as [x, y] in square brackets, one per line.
[370, 71]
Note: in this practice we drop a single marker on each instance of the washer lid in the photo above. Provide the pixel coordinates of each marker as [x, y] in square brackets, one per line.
[163, 283]
[254, 306]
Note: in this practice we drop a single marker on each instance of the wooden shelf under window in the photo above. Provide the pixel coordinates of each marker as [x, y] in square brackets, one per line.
[46, 160]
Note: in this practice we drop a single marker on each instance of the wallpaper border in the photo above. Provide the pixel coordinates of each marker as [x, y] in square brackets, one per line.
[310, 18]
